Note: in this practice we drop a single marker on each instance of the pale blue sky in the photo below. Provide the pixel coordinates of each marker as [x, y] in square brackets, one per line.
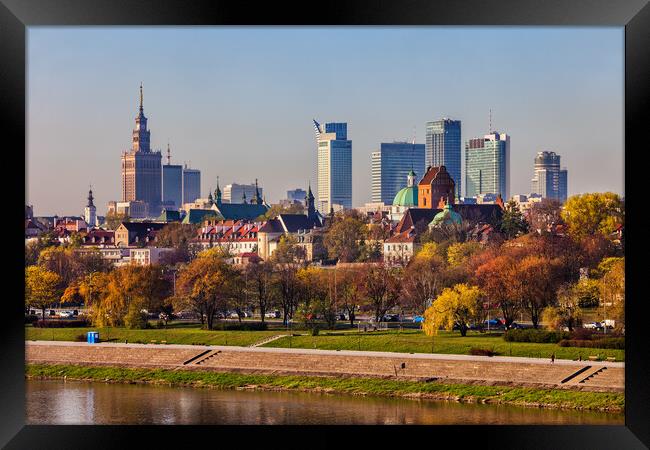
[238, 101]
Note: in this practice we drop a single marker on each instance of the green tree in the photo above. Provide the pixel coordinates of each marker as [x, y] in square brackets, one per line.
[275, 210]
[513, 223]
[42, 288]
[612, 293]
[343, 238]
[567, 313]
[596, 213]
[457, 306]
[287, 250]
[113, 220]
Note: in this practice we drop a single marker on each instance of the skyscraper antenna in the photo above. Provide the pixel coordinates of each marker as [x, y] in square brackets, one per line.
[490, 120]
[169, 155]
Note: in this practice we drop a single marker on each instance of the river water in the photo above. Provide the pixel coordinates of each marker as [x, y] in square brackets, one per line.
[74, 402]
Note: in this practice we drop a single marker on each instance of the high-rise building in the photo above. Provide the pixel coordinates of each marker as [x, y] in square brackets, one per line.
[391, 166]
[487, 165]
[297, 195]
[172, 184]
[235, 193]
[191, 184]
[334, 167]
[90, 212]
[443, 148]
[141, 168]
[549, 180]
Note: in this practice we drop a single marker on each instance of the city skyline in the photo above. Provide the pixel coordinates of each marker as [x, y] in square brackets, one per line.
[230, 119]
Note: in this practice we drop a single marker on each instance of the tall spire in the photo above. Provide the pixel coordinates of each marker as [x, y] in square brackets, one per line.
[90, 196]
[169, 155]
[141, 96]
[257, 199]
[217, 193]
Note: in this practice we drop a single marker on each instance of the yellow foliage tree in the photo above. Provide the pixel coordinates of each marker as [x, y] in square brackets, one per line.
[588, 214]
[41, 287]
[428, 251]
[458, 306]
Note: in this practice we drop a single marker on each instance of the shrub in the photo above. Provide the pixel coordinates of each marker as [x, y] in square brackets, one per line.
[31, 318]
[315, 330]
[135, 319]
[60, 323]
[482, 352]
[538, 336]
[608, 343]
[582, 334]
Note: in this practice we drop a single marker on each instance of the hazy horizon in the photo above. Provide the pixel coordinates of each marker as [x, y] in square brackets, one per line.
[238, 102]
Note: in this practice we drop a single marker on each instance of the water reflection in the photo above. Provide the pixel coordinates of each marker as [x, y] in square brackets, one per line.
[58, 402]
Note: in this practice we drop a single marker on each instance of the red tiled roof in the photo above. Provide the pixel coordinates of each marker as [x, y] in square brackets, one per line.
[430, 175]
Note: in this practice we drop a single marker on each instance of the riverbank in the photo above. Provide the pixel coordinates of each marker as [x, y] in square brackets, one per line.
[612, 402]
[394, 340]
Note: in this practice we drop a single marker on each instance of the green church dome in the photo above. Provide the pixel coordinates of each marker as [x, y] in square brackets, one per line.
[446, 216]
[407, 196]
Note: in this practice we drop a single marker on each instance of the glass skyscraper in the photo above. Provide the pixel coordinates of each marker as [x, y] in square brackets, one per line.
[390, 168]
[443, 148]
[172, 187]
[549, 180]
[487, 165]
[191, 185]
[334, 167]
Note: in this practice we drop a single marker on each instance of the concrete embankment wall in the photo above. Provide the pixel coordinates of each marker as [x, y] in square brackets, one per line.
[436, 368]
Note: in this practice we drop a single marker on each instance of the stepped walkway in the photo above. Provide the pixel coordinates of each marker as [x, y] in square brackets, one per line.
[267, 340]
[507, 371]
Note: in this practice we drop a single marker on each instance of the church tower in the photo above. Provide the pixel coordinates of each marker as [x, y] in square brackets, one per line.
[309, 204]
[90, 212]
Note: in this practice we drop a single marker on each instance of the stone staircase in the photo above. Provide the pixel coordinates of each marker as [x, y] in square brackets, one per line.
[267, 340]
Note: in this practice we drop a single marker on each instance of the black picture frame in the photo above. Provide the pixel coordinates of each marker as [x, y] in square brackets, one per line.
[634, 15]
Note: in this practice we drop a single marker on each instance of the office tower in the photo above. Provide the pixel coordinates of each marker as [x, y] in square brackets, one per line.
[391, 166]
[487, 162]
[235, 193]
[90, 212]
[141, 167]
[549, 180]
[443, 148]
[172, 184]
[191, 184]
[334, 167]
[297, 195]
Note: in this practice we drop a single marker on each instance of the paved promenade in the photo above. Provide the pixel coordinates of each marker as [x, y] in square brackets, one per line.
[497, 370]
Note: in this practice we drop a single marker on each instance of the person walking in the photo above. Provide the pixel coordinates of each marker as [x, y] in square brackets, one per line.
[552, 358]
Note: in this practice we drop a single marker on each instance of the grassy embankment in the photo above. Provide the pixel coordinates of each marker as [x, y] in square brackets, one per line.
[407, 341]
[415, 341]
[597, 401]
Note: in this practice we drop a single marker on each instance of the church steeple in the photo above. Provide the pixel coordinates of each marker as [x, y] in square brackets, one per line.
[90, 198]
[257, 200]
[309, 204]
[243, 197]
[217, 194]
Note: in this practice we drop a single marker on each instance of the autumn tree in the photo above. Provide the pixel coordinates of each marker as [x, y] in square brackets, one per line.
[343, 238]
[543, 215]
[458, 306]
[423, 280]
[318, 298]
[288, 286]
[596, 213]
[277, 209]
[566, 313]
[350, 291]
[42, 288]
[126, 294]
[288, 251]
[533, 283]
[492, 277]
[204, 286]
[260, 279]
[612, 292]
[381, 288]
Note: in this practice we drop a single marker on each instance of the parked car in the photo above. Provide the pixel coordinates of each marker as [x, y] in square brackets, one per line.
[390, 318]
[65, 314]
[418, 319]
[593, 325]
[52, 312]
